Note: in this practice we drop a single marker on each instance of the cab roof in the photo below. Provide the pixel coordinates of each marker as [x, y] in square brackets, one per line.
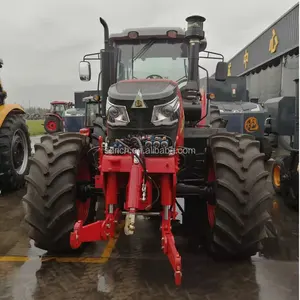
[147, 32]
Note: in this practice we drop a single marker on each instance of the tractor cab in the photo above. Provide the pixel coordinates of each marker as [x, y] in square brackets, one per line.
[54, 120]
[146, 74]
[59, 107]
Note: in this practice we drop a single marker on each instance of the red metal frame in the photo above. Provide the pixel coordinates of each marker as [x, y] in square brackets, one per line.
[113, 169]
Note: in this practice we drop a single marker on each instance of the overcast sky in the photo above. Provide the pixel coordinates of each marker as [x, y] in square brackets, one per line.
[42, 41]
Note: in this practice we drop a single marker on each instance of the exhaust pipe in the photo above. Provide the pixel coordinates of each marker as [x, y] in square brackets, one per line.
[106, 33]
[106, 69]
[195, 37]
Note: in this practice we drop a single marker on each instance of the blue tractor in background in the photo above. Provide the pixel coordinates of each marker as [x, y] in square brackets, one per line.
[243, 116]
[87, 106]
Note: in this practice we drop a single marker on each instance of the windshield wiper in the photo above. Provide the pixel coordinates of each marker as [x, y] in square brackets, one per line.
[146, 47]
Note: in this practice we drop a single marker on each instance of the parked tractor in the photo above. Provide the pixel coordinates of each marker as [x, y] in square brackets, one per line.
[231, 98]
[77, 118]
[283, 121]
[54, 120]
[158, 138]
[15, 146]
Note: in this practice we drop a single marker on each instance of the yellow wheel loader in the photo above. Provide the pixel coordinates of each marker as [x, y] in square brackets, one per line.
[15, 146]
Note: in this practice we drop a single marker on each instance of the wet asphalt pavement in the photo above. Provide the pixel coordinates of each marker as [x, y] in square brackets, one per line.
[135, 268]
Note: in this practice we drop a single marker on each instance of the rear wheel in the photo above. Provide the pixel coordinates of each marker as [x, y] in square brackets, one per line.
[53, 203]
[52, 125]
[15, 150]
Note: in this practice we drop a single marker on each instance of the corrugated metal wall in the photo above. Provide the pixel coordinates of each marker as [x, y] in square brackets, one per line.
[287, 32]
[274, 81]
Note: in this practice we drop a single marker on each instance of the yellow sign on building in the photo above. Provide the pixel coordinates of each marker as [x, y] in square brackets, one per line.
[246, 58]
[229, 70]
[274, 41]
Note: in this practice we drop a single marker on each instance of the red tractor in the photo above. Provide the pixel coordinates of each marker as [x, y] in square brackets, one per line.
[54, 120]
[157, 138]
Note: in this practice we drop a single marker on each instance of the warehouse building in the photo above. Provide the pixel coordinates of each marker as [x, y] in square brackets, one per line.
[270, 63]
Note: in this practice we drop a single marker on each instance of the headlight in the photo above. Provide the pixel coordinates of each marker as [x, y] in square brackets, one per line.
[116, 114]
[165, 114]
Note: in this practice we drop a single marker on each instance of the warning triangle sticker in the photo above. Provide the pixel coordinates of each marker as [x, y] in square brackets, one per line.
[138, 101]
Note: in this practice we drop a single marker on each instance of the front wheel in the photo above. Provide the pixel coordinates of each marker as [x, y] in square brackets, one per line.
[53, 202]
[232, 222]
[241, 206]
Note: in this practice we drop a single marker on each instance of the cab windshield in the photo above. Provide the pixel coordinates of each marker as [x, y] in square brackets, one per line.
[59, 108]
[152, 59]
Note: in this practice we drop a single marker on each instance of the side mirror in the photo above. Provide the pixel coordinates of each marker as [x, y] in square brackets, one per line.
[85, 71]
[221, 71]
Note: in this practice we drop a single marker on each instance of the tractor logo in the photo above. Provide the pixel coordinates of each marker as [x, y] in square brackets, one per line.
[251, 124]
[273, 42]
[139, 102]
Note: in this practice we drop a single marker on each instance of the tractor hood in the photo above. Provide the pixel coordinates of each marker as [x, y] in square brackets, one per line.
[148, 106]
[150, 89]
[238, 107]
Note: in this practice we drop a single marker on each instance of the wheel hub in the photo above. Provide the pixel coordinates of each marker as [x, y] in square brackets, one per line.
[19, 152]
[51, 125]
[276, 176]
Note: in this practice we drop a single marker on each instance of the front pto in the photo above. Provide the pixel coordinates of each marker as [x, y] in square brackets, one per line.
[138, 199]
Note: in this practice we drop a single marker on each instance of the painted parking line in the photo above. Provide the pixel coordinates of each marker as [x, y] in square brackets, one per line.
[92, 260]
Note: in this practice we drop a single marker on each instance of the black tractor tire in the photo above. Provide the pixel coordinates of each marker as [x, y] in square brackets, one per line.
[54, 120]
[242, 201]
[216, 120]
[266, 148]
[15, 150]
[50, 200]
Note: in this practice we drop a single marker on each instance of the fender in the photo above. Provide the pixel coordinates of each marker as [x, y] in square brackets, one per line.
[54, 115]
[9, 108]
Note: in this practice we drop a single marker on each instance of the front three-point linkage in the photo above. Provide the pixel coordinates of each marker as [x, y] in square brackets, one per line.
[138, 200]
[167, 241]
[97, 231]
